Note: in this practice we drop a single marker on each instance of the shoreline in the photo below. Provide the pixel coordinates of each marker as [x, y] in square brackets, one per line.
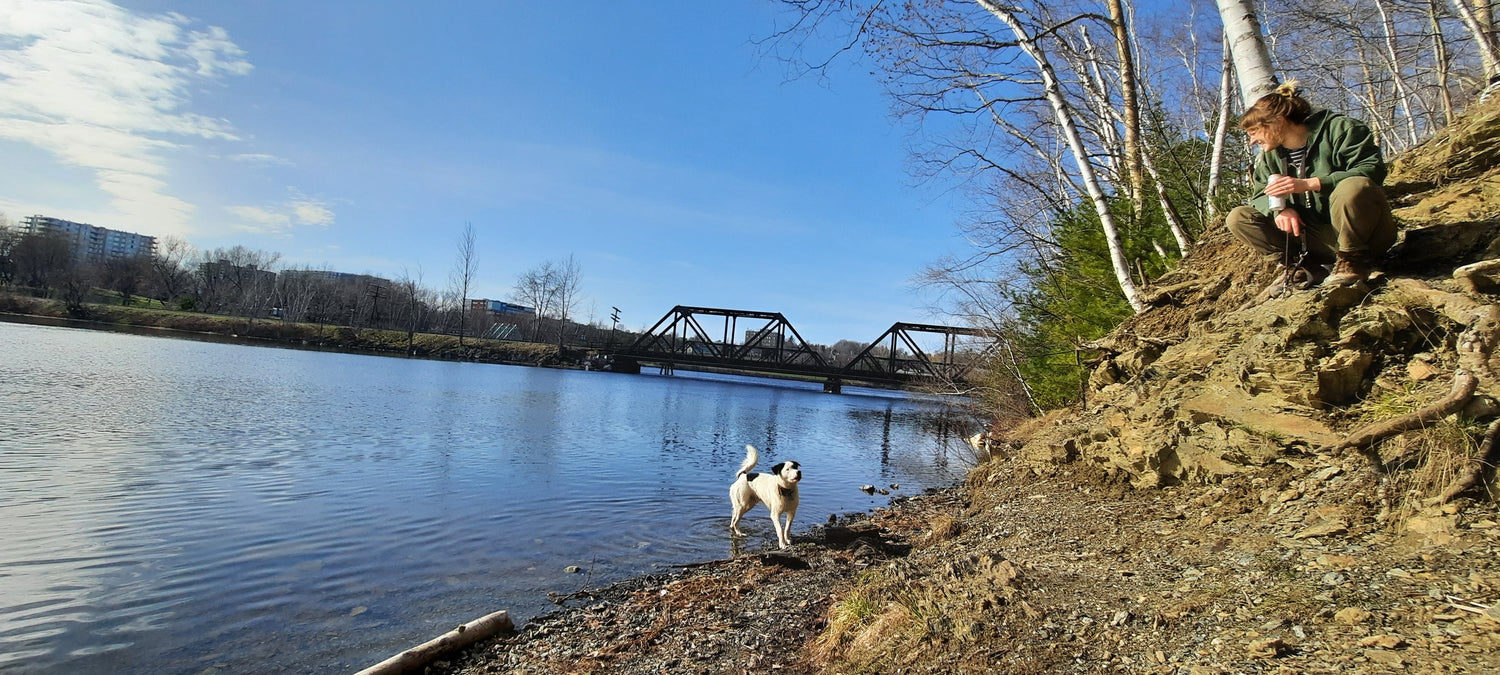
[330, 339]
[753, 611]
[1029, 570]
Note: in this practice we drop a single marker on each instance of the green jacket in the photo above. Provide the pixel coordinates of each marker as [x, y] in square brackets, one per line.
[1338, 147]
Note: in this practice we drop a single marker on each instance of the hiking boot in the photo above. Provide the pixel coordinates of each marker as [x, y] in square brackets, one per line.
[1352, 267]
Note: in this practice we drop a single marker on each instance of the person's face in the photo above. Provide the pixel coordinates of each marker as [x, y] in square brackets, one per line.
[1267, 136]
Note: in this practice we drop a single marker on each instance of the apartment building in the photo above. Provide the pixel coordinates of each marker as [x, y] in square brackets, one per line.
[91, 242]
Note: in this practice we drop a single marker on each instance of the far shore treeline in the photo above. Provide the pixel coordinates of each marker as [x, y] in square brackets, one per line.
[240, 292]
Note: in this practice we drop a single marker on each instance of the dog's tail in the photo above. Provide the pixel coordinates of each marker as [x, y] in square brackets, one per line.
[751, 457]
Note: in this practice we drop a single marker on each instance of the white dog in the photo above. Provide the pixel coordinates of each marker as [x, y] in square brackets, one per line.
[778, 490]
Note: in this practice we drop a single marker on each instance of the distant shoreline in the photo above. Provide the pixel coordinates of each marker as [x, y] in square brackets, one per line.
[272, 333]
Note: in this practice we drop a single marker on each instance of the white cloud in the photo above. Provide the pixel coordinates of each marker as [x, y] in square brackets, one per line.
[104, 89]
[258, 159]
[300, 210]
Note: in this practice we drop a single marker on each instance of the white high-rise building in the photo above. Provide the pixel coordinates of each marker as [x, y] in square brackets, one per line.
[91, 242]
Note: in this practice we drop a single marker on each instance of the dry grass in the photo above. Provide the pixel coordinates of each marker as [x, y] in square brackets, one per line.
[1438, 455]
[943, 528]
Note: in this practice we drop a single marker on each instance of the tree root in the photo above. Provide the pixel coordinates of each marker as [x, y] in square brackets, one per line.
[1364, 440]
[1479, 467]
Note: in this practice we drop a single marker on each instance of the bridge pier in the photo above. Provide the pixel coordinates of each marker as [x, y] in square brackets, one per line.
[833, 385]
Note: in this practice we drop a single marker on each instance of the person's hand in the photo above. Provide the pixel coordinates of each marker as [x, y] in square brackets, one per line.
[1288, 221]
[1282, 186]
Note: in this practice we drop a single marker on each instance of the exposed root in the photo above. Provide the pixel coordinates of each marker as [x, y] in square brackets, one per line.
[1482, 464]
[1364, 440]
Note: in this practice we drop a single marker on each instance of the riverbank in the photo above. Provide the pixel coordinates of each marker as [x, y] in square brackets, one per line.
[263, 332]
[1278, 570]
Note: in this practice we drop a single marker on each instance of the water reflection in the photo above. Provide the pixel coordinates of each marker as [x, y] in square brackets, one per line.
[173, 507]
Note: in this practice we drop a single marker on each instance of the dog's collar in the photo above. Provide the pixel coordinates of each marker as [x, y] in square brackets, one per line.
[786, 491]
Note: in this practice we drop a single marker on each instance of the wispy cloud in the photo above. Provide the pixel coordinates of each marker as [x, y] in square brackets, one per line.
[257, 159]
[106, 90]
[300, 210]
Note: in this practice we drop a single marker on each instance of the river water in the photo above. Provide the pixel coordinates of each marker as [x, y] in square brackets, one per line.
[171, 506]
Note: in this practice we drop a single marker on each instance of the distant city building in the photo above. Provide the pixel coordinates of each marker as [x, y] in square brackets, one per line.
[338, 276]
[91, 242]
[498, 307]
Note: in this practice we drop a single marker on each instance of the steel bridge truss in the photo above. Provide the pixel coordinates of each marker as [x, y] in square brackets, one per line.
[776, 344]
[893, 358]
[903, 359]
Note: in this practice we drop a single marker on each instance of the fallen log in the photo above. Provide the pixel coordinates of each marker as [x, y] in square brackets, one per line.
[417, 658]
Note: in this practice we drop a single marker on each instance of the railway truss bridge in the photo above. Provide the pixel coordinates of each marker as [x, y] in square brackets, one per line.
[771, 346]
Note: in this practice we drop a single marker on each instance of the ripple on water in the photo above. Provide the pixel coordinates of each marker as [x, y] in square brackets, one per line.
[179, 506]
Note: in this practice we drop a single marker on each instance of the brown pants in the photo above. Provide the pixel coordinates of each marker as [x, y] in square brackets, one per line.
[1362, 223]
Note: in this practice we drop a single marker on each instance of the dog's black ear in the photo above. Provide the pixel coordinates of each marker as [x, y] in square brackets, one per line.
[777, 469]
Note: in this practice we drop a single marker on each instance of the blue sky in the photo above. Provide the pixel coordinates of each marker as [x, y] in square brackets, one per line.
[647, 139]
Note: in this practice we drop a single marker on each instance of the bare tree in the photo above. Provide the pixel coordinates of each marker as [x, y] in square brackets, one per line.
[125, 275]
[238, 280]
[414, 299]
[569, 279]
[297, 291]
[461, 279]
[1479, 19]
[1221, 132]
[169, 271]
[1053, 92]
[537, 288]
[8, 237]
[1130, 107]
[39, 259]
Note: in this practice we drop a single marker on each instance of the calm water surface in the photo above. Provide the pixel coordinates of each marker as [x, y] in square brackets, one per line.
[169, 506]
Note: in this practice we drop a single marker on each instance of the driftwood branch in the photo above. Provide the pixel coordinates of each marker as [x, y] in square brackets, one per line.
[1464, 384]
[418, 658]
[1482, 464]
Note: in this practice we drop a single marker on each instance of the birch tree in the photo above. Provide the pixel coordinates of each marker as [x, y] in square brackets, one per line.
[1052, 91]
[1479, 19]
[1221, 132]
[1252, 59]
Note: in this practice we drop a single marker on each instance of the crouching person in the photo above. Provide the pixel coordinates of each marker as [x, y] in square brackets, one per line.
[1318, 198]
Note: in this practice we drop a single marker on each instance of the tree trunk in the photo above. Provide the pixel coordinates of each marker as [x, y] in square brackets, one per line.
[1480, 29]
[1064, 115]
[1091, 76]
[1221, 131]
[1403, 94]
[1174, 219]
[1129, 101]
[1440, 60]
[1252, 60]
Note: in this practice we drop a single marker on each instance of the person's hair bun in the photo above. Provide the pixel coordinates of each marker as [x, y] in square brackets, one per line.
[1287, 88]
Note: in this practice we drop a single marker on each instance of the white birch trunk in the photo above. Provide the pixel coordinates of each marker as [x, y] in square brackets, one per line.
[1252, 61]
[1221, 131]
[1440, 60]
[1403, 94]
[1174, 219]
[1096, 87]
[1054, 95]
[1489, 56]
